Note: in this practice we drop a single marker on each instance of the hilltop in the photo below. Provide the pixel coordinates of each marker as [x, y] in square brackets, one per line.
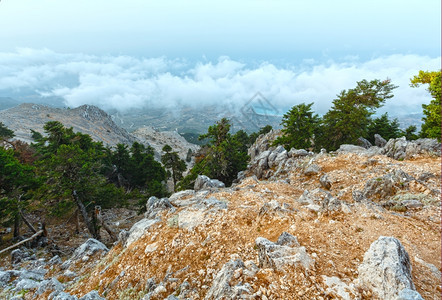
[353, 224]
[87, 119]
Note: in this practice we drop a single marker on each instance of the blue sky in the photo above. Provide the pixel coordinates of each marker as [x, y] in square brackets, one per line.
[291, 51]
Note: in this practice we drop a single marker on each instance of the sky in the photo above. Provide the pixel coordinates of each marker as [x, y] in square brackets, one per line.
[139, 53]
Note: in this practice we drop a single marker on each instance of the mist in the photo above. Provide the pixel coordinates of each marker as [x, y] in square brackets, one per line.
[124, 82]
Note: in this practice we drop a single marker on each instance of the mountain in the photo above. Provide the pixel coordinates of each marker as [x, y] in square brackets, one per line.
[7, 102]
[188, 119]
[86, 119]
[158, 139]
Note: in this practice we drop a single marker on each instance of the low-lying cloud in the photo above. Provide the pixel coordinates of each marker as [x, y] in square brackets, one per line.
[123, 82]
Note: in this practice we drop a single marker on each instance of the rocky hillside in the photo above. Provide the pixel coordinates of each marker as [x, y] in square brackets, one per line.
[354, 224]
[159, 139]
[87, 119]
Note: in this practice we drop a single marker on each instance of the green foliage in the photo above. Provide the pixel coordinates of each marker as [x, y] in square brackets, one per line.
[432, 112]
[193, 138]
[410, 133]
[15, 180]
[349, 117]
[225, 155]
[189, 155]
[388, 129]
[174, 163]
[300, 126]
[5, 132]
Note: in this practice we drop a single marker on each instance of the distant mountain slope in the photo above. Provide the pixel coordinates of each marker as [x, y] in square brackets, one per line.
[7, 102]
[158, 139]
[86, 119]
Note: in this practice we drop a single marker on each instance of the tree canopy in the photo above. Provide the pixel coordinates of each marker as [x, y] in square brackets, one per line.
[431, 128]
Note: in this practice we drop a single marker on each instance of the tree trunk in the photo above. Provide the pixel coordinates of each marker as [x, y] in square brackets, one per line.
[102, 223]
[87, 220]
[77, 222]
[17, 225]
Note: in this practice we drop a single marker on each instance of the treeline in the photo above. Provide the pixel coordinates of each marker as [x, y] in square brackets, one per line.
[351, 117]
[65, 171]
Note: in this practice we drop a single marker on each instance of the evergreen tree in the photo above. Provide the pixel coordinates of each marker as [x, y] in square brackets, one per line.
[300, 125]
[431, 128]
[388, 129]
[15, 180]
[349, 117]
[223, 157]
[174, 163]
[5, 132]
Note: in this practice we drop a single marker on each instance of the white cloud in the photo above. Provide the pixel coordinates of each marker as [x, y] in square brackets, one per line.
[124, 82]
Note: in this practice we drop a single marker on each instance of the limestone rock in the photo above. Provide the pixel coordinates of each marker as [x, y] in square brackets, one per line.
[204, 182]
[93, 295]
[139, 229]
[88, 249]
[386, 269]
[401, 149]
[364, 143]
[387, 185]
[155, 205]
[273, 255]
[49, 285]
[61, 296]
[379, 140]
[297, 152]
[312, 169]
[221, 288]
[325, 182]
[407, 294]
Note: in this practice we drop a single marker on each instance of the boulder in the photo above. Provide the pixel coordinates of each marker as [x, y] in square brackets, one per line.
[93, 295]
[179, 195]
[61, 296]
[379, 141]
[204, 182]
[49, 285]
[386, 268]
[407, 294]
[138, 230]
[297, 153]
[364, 143]
[382, 187]
[312, 169]
[400, 148]
[155, 205]
[325, 182]
[5, 276]
[88, 249]
[221, 288]
[347, 148]
[280, 256]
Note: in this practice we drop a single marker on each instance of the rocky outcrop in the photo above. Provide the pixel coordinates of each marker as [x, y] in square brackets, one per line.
[380, 188]
[386, 269]
[379, 141]
[158, 139]
[204, 182]
[347, 148]
[282, 254]
[137, 231]
[364, 143]
[221, 288]
[155, 205]
[401, 149]
[87, 119]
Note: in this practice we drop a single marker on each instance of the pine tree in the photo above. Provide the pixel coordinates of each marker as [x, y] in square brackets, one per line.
[174, 163]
